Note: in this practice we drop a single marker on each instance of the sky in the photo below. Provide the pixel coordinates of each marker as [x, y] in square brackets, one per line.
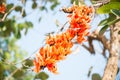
[77, 64]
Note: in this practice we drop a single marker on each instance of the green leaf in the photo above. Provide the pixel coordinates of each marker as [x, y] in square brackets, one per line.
[90, 70]
[54, 5]
[114, 21]
[16, 31]
[26, 25]
[10, 68]
[26, 30]
[118, 32]
[1, 70]
[7, 54]
[15, 27]
[29, 24]
[43, 8]
[116, 12]
[71, 1]
[96, 76]
[9, 6]
[19, 73]
[34, 5]
[103, 22]
[18, 8]
[51, 0]
[21, 26]
[1, 24]
[103, 29]
[114, 0]
[108, 20]
[18, 36]
[76, 2]
[24, 14]
[107, 7]
[42, 76]
[27, 63]
[8, 25]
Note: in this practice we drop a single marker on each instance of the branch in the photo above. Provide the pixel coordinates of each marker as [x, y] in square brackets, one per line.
[100, 3]
[91, 50]
[26, 58]
[63, 26]
[91, 45]
[104, 49]
[95, 36]
[112, 64]
[8, 78]
[5, 15]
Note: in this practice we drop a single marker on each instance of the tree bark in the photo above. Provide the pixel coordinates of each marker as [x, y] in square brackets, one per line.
[112, 64]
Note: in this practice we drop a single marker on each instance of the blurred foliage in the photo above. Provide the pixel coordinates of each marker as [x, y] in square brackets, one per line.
[113, 11]
[10, 26]
[27, 64]
[107, 7]
[13, 66]
[116, 12]
[96, 76]
[41, 76]
[90, 70]
[10, 54]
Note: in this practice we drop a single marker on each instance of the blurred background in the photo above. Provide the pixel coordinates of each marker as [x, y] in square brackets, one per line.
[23, 29]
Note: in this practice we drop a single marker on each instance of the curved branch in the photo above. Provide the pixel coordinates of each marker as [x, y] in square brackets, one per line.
[5, 15]
[8, 78]
[95, 36]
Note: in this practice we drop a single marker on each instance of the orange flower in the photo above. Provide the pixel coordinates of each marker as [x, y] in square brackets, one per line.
[56, 49]
[79, 19]
[52, 68]
[37, 66]
[2, 8]
[59, 46]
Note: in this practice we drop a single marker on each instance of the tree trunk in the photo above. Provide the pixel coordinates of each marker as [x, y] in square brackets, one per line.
[112, 64]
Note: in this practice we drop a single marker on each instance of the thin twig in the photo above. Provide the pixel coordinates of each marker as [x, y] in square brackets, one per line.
[25, 58]
[95, 36]
[93, 13]
[8, 78]
[5, 15]
[86, 47]
[63, 26]
[100, 3]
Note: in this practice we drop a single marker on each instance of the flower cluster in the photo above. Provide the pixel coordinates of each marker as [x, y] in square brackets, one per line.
[2, 8]
[56, 48]
[79, 20]
[59, 46]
